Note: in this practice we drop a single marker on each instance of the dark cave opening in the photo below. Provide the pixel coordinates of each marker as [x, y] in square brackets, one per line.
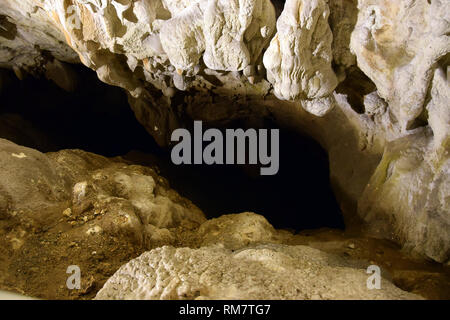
[96, 117]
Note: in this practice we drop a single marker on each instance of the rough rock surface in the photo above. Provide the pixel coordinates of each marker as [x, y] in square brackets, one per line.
[235, 231]
[26, 33]
[15, 128]
[76, 208]
[214, 72]
[398, 44]
[229, 34]
[298, 60]
[241, 257]
[260, 272]
[410, 177]
[343, 17]
[399, 181]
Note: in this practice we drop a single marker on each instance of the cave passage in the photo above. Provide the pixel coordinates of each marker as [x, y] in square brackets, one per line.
[97, 118]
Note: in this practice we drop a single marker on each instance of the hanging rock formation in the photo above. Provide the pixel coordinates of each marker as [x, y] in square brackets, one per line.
[298, 60]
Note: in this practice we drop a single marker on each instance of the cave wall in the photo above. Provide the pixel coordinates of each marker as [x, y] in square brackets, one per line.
[296, 62]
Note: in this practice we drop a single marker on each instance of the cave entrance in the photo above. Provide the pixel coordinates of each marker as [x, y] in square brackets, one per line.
[96, 117]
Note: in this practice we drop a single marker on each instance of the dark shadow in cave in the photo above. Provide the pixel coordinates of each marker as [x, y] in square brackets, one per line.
[97, 118]
[298, 197]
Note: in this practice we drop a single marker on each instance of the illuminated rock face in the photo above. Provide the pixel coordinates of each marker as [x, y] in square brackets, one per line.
[398, 44]
[243, 269]
[25, 33]
[408, 195]
[136, 198]
[223, 60]
[299, 58]
[76, 206]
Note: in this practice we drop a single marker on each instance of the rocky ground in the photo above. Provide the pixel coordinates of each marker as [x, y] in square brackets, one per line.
[76, 208]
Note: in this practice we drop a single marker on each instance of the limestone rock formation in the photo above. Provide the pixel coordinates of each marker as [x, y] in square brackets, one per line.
[256, 272]
[88, 181]
[26, 33]
[22, 131]
[164, 39]
[398, 44]
[386, 133]
[410, 188]
[76, 208]
[235, 231]
[236, 32]
[298, 60]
